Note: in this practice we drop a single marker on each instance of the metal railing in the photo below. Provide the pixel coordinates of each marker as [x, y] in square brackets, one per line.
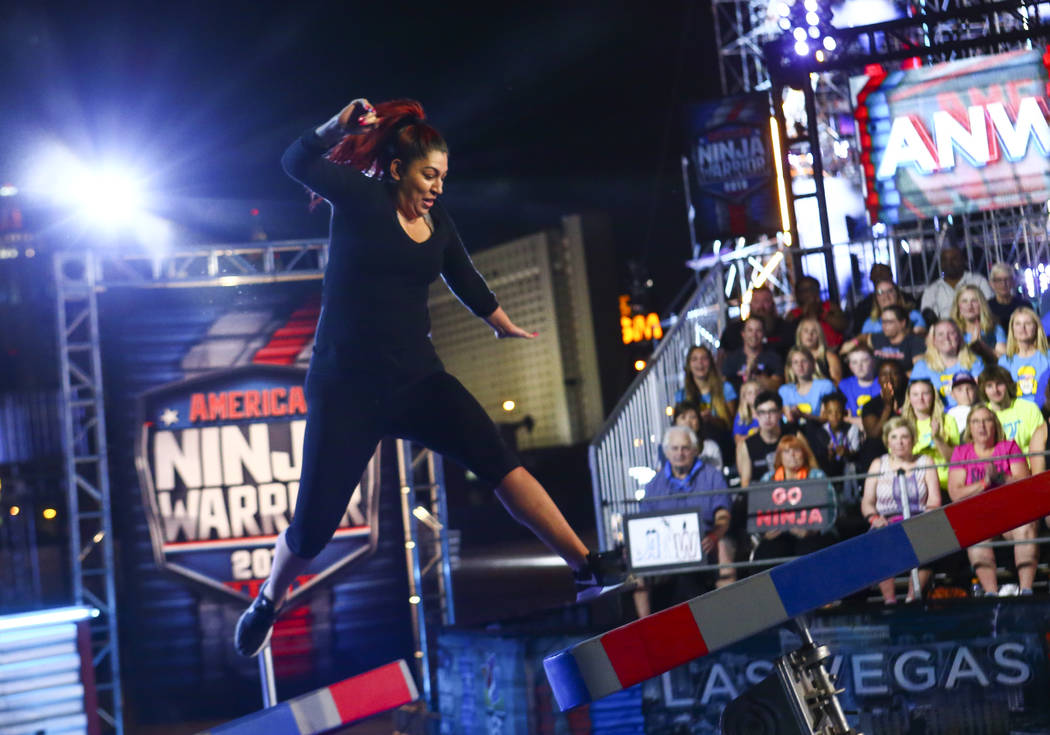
[849, 493]
[630, 437]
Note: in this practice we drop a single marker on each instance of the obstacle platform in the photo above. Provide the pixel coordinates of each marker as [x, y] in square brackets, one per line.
[339, 704]
[648, 647]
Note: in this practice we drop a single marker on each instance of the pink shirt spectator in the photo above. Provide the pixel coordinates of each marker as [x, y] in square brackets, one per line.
[1000, 457]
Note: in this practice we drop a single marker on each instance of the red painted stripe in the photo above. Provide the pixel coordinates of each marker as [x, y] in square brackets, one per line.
[654, 644]
[980, 517]
[370, 693]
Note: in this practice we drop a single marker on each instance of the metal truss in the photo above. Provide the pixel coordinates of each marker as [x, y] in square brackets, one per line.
[214, 265]
[741, 27]
[87, 473]
[424, 515]
[935, 34]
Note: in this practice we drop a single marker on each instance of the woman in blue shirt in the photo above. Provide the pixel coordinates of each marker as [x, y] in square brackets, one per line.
[1027, 353]
[802, 390]
[704, 386]
[945, 356]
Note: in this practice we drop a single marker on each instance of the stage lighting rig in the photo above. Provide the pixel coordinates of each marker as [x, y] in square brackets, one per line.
[806, 30]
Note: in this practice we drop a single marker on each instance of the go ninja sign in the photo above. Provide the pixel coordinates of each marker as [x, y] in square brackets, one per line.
[219, 459]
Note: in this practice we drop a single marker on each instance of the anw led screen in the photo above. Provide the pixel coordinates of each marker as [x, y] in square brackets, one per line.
[964, 136]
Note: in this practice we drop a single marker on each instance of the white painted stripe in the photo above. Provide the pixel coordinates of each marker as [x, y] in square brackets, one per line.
[931, 535]
[732, 613]
[410, 682]
[595, 668]
[315, 712]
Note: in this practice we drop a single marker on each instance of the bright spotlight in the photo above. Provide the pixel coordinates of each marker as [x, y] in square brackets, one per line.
[783, 9]
[829, 43]
[639, 365]
[108, 194]
[509, 405]
[813, 19]
[784, 23]
[802, 48]
[799, 34]
[50, 513]
[108, 197]
[814, 32]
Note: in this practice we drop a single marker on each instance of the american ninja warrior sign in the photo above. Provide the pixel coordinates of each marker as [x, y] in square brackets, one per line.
[965, 136]
[219, 458]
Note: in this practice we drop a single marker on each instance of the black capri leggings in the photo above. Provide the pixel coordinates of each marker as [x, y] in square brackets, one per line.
[346, 419]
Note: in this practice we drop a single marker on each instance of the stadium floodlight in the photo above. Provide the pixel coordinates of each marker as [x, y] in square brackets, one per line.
[106, 195]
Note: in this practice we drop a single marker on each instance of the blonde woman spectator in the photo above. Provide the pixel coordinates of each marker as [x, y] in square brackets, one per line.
[1027, 353]
[802, 389]
[809, 336]
[745, 423]
[945, 356]
[936, 434]
[1006, 299]
[896, 478]
[980, 330]
[988, 459]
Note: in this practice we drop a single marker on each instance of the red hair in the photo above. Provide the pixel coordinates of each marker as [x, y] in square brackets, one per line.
[400, 133]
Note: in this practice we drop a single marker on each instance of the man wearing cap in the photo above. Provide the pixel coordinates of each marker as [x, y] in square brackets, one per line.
[964, 393]
[1020, 417]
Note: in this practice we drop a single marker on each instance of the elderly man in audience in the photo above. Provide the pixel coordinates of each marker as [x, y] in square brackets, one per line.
[939, 295]
[683, 474]
[1007, 299]
[754, 361]
[779, 332]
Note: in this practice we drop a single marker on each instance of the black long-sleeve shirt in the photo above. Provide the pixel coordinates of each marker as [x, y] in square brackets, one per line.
[374, 314]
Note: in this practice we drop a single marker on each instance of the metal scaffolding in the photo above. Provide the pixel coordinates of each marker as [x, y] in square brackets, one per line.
[87, 472]
[424, 514]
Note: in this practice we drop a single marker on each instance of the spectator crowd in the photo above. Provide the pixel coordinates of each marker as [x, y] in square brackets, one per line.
[923, 403]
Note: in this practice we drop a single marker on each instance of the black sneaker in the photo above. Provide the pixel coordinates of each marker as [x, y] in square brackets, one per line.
[605, 572]
[255, 625]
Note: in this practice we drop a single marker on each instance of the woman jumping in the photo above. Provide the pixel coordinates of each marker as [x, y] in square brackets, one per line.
[374, 371]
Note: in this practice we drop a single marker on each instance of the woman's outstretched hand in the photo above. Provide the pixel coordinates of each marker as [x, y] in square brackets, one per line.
[358, 117]
[504, 327]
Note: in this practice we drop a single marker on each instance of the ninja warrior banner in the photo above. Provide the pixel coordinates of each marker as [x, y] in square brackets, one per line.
[219, 458]
[959, 137]
[730, 169]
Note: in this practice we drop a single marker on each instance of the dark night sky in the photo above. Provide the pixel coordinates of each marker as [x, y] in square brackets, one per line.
[548, 108]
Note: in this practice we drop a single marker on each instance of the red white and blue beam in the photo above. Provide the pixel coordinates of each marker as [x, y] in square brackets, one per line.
[648, 647]
[340, 704]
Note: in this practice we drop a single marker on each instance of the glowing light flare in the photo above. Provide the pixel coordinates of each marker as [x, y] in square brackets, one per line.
[802, 48]
[50, 513]
[774, 135]
[15, 510]
[799, 34]
[639, 365]
[509, 405]
[829, 43]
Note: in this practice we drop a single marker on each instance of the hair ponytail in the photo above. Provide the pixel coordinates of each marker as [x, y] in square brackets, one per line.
[401, 133]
